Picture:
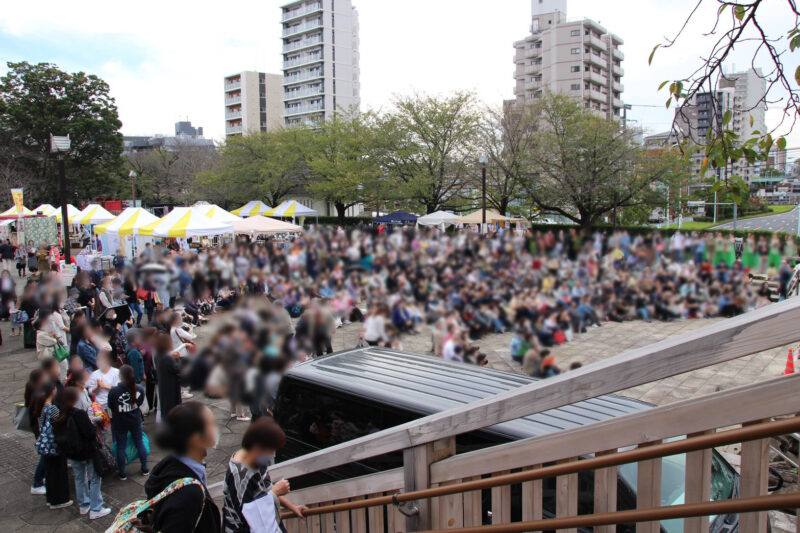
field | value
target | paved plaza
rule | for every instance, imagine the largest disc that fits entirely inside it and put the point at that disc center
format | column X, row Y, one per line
column 22, row 511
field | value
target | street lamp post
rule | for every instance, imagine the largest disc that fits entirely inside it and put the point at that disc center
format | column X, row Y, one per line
column 132, row 175
column 483, row 161
column 60, row 146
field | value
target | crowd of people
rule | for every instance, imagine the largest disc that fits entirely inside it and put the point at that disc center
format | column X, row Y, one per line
column 120, row 342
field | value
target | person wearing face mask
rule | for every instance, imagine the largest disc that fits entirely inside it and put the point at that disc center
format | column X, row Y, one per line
column 188, row 431
column 247, row 479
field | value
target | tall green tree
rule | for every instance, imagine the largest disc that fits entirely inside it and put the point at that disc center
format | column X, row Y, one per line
column 37, row 100
column 586, row 167
column 267, row 166
column 342, row 159
column 507, row 138
column 429, row 144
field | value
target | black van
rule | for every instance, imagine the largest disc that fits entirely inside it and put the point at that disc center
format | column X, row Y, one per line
column 350, row 394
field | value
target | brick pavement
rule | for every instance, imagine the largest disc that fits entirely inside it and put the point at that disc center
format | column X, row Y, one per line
column 20, row 511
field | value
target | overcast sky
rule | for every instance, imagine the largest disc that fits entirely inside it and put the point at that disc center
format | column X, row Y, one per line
column 165, row 60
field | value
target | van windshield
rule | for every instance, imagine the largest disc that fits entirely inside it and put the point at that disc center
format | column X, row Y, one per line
column 673, row 475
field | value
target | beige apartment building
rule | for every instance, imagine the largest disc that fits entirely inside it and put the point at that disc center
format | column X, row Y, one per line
column 579, row 58
column 253, row 102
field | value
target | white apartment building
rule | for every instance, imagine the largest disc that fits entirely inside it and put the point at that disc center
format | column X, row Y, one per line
column 253, row 102
column 320, row 60
column 573, row 57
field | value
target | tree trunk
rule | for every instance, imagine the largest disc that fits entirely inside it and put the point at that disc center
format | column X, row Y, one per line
column 340, row 211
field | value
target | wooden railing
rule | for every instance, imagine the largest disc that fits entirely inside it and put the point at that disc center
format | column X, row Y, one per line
column 429, row 451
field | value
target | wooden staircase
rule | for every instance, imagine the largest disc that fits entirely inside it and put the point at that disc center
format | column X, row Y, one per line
column 437, row 489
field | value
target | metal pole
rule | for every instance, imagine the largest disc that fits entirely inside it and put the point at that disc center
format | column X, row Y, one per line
column 133, row 190
column 680, row 205
column 667, row 224
column 734, row 215
column 62, row 184
column 716, row 177
column 483, row 186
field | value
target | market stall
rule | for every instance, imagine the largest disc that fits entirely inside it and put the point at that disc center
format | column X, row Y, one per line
column 398, row 217
column 216, row 213
column 439, row 219
column 185, row 223
column 291, row 209
column 259, row 225
column 15, row 212
column 45, row 209
column 120, row 233
column 72, row 212
column 252, row 208
column 492, row 217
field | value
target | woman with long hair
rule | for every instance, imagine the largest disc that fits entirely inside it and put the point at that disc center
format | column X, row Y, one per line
column 74, row 427
column 55, row 463
column 168, row 370
column 124, row 400
column 36, row 379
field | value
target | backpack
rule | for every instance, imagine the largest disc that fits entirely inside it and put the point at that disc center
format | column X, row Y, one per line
column 69, row 440
column 128, row 519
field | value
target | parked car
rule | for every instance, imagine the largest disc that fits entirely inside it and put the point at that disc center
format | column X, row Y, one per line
column 346, row 395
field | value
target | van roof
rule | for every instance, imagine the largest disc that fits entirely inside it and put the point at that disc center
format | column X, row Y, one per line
column 428, row 385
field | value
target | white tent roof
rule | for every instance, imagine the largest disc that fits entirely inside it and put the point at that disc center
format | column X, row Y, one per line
column 92, row 214
column 251, row 208
column 185, row 222
column 291, row 208
column 72, row 211
column 45, row 209
column 14, row 211
column 259, row 225
column 131, row 219
column 439, row 219
column 216, row 213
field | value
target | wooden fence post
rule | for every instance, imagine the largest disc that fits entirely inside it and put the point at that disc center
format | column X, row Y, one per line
column 416, row 472
column 755, row 471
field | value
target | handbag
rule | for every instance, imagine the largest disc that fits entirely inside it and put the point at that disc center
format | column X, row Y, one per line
column 142, row 294
column 103, row 460
column 21, row 418
column 60, row 352
column 131, row 453
column 138, row 515
column 19, row 318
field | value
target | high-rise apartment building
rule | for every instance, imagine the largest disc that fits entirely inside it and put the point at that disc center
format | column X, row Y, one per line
column 253, row 102
column 741, row 93
column 320, row 60
column 578, row 58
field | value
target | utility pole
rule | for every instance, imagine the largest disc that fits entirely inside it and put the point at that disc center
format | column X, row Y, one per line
column 483, row 161
column 60, row 145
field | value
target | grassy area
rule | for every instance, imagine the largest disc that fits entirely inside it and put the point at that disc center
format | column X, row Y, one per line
column 696, row 226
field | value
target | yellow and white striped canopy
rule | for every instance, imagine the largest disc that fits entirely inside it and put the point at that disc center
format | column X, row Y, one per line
column 185, row 222
column 131, row 219
column 216, row 213
column 92, row 214
column 291, row 208
column 72, row 212
column 252, row 208
column 45, row 209
column 14, row 211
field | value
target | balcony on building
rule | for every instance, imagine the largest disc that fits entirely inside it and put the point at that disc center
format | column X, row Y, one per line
column 595, row 42
column 304, row 59
column 301, row 11
column 595, row 60
column 233, row 130
column 305, row 26
column 233, row 84
column 303, row 93
column 532, row 69
column 617, row 86
column 233, row 99
column 302, row 76
column 617, row 53
column 596, row 77
column 596, row 95
column 312, row 40
column 233, row 114
column 617, row 70
column 302, row 109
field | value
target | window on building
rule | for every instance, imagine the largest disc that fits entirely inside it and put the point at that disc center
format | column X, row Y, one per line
column 575, row 51
column 575, row 33
column 575, row 68
column 575, row 86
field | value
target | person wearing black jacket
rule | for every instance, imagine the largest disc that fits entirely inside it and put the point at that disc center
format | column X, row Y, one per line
column 188, row 431
column 77, row 439
column 124, row 400
column 168, row 370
